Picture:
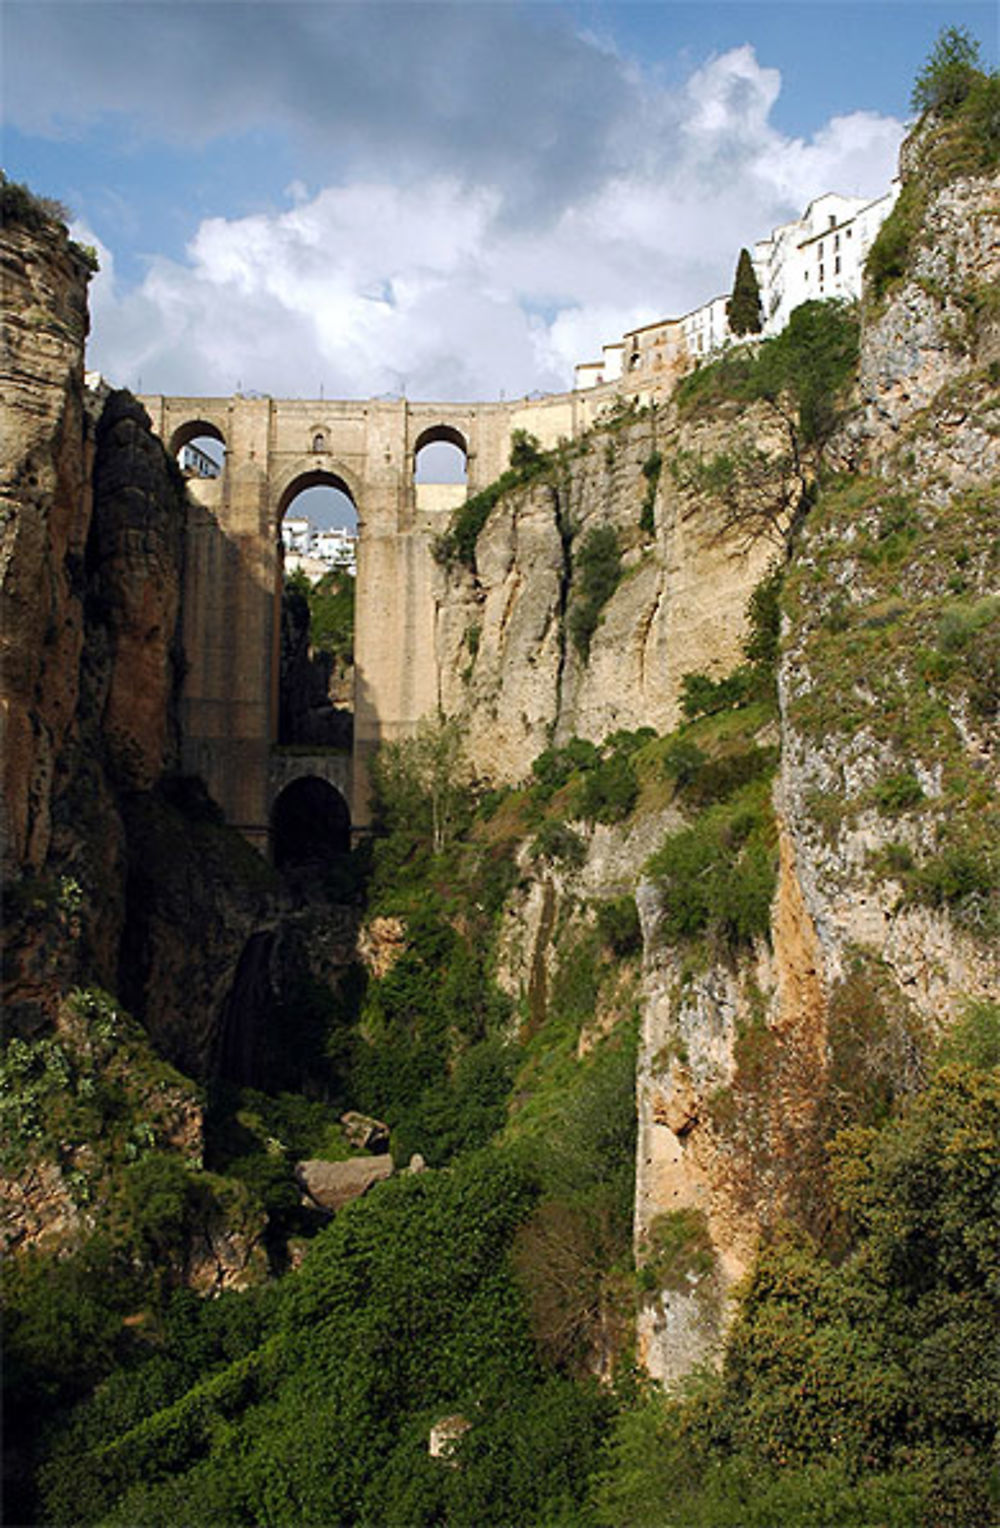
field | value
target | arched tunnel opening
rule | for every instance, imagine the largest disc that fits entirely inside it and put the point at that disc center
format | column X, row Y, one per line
column 319, row 557
column 310, row 824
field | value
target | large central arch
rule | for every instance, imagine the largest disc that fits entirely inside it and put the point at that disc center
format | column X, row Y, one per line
column 314, row 477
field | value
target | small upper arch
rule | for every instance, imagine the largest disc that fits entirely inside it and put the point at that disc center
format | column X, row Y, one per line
column 195, row 429
column 440, row 455
column 319, row 439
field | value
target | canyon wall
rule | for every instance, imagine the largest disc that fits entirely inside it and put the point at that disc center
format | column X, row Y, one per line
column 884, row 921
column 103, row 867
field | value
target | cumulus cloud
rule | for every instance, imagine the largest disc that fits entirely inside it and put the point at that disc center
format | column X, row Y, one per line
column 489, row 251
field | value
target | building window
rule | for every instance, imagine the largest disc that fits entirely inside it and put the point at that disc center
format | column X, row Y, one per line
column 848, row 233
column 821, row 277
column 832, row 220
column 819, row 250
column 836, row 266
column 836, row 241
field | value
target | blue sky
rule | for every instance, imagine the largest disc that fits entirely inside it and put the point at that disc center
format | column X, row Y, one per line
column 451, row 200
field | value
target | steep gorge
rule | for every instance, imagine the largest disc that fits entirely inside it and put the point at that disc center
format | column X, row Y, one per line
column 813, row 867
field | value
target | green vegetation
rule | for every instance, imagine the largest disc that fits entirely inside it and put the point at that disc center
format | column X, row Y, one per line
column 858, row 1383
column 802, row 375
column 950, row 73
column 743, row 308
column 912, row 666
column 596, row 573
column 844, row 1396
column 717, row 877
column 528, row 462
column 960, row 135
column 651, row 469
column 22, row 207
column 331, row 612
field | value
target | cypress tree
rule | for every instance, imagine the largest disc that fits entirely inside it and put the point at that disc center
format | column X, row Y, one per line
column 743, row 307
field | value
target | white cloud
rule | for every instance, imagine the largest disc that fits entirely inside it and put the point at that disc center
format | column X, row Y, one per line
column 429, row 282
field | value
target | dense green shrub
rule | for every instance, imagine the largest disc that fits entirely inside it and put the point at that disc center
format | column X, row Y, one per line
column 651, row 469
column 553, row 768
column 809, row 362
column 596, row 572
column 855, row 1390
column 703, row 696
column 610, row 790
column 718, row 875
column 898, row 792
column 618, row 925
column 949, row 74
column 682, row 759
column 964, row 878
column 19, row 205
column 558, row 842
column 404, row 1312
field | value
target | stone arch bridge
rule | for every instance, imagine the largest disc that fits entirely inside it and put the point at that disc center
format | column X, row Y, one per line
column 274, row 448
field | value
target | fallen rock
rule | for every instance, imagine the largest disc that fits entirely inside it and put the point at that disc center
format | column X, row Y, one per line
column 445, row 1437
column 331, row 1185
column 364, row 1132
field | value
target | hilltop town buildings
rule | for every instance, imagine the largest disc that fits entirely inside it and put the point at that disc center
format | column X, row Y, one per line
column 821, row 254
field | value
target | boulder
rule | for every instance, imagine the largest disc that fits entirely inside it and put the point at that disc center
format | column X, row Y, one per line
column 331, row 1185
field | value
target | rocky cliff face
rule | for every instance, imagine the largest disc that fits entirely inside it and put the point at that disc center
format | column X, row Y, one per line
column 509, row 662
column 884, row 921
column 45, row 495
column 108, row 857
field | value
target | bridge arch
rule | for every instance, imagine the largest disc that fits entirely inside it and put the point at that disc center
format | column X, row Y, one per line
column 455, row 466
column 195, row 429
column 310, row 821
column 307, row 475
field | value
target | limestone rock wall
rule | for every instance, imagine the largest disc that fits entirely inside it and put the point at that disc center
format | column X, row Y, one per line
column 45, row 502
column 116, row 872
column 890, row 767
column 507, row 661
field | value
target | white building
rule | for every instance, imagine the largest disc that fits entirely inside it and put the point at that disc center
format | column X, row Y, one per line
column 707, row 328
column 337, row 547
column 296, row 532
column 198, row 463
column 821, row 254
column 317, row 550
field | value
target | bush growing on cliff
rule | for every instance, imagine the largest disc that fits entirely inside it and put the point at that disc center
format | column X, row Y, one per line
column 20, row 205
column 717, row 877
column 596, row 572
column 855, row 1390
column 949, row 74
column 527, row 462
column 961, row 136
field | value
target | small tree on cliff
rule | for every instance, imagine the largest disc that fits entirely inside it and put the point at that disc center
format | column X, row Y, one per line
column 743, row 307
column 949, row 73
